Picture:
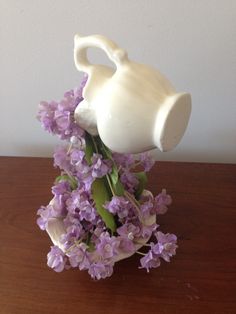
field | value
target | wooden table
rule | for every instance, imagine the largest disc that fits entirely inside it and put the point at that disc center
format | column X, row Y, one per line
column 200, row 279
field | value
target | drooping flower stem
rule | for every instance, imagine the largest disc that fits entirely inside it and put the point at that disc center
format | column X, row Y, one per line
column 135, row 204
column 110, row 186
column 69, row 148
column 94, row 144
column 133, row 198
column 140, row 253
column 145, row 244
column 76, row 243
column 107, row 176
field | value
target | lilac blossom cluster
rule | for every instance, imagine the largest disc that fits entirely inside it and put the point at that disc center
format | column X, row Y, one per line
column 58, row 117
column 100, row 198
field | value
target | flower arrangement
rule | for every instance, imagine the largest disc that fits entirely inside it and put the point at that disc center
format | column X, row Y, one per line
column 99, row 200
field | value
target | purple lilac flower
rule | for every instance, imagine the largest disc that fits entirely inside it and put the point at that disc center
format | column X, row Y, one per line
column 46, row 115
column 58, row 204
column 74, row 230
column 119, row 205
column 83, row 170
column 72, row 221
column 79, row 203
column 77, row 197
column 147, row 230
column 136, row 229
column 150, row 260
column 78, row 256
column 73, row 233
column 129, row 180
column 62, row 119
column 78, row 142
column 162, row 200
column 78, row 91
column 126, row 161
column 99, row 229
column 166, row 245
column 99, row 270
column 75, row 95
column 70, row 94
column 84, row 174
column 87, row 212
column 77, row 157
column 100, row 167
column 129, row 230
column 126, row 245
column 164, row 248
column 56, row 208
column 97, row 232
column 61, row 188
column 147, row 206
column 45, row 213
column 146, row 160
column 58, row 118
column 107, row 246
column 89, row 226
column 61, row 193
column 74, row 163
column 62, row 159
column 56, row 259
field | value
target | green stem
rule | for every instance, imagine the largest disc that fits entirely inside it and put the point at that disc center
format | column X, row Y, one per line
column 110, row 185
column 88, row 239
column 140, row 253
column 135, row 204
column 73, row 180
column 143, row 244
column 69, row 148
column 107, row 176
column 105, row 149
column 136, row 164
column 76, row 243
column 94, row 144
column 133, row 198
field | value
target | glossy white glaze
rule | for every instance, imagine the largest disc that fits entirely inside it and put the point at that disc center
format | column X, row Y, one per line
column 133, row 108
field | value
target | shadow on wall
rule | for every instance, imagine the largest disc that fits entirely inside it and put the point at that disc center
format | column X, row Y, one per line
column 181, row 156
column 222, row 153
column 222, row 148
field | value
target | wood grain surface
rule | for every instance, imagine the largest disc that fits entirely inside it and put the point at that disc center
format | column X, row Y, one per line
column 200, row 279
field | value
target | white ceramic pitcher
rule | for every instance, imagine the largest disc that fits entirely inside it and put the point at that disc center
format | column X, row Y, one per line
column 133, row 108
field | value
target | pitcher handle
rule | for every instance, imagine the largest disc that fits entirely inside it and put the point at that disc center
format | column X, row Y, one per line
column 81, row 44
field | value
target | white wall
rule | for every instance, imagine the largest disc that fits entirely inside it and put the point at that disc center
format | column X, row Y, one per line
column 192, row 42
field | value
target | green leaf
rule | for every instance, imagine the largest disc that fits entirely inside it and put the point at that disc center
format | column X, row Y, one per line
column 89, row 148
column 61, row 178
column 100, row 196
column 118, row 188
column 106, row 151
column 91, row 247
column 142, row 178
column 114, row 175
column 72, row 181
